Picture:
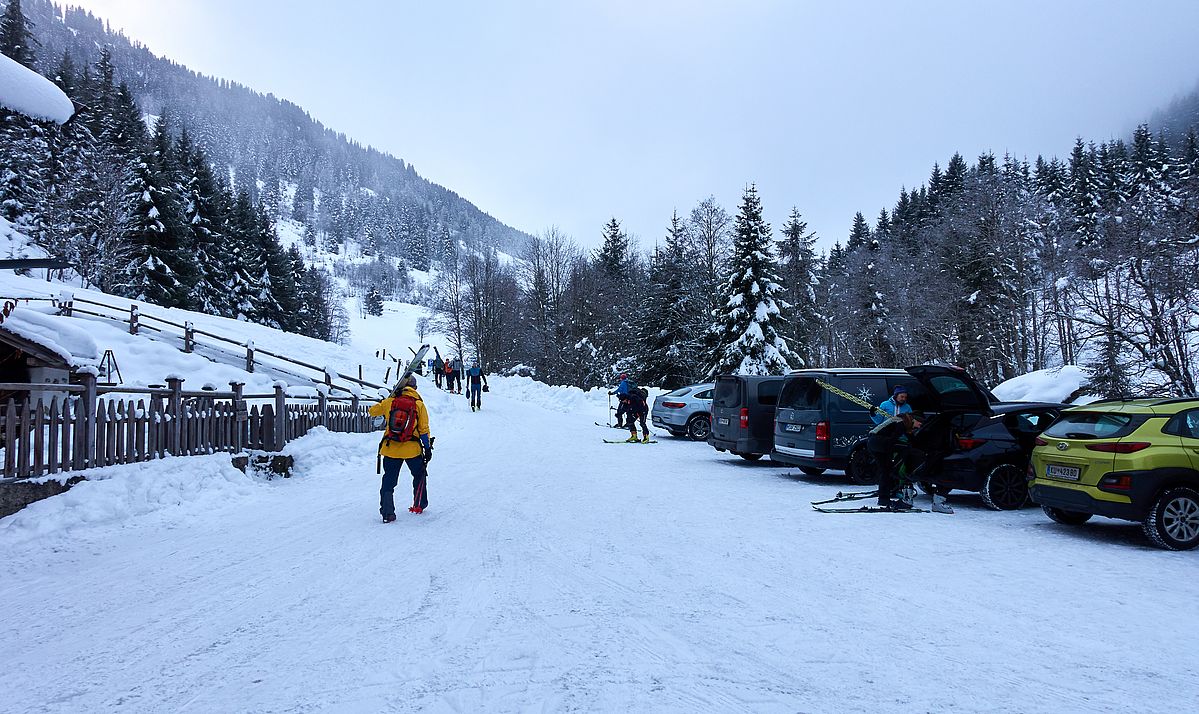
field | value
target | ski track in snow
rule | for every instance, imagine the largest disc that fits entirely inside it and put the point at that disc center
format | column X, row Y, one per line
column 557, row 573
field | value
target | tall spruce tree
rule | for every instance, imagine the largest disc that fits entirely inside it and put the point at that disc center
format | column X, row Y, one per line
column 671, row 349
column 798, row 271
column 749, row 339
column 16, row 35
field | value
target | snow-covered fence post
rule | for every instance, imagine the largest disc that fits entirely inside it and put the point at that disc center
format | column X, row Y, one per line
column 280, row 425
column 189, row 336
column 66, row 302
column 175, row 409
column 322, row 401
column 133, row 315
column 87, row 375
column 250, row 356
column 241, row 415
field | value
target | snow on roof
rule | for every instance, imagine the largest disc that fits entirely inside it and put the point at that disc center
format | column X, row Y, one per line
column 25, row 91
column 58, row 335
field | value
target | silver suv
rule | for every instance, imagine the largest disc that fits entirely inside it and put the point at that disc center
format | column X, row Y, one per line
column 686, row 412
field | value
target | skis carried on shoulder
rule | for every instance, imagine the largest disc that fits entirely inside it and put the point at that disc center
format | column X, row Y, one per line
column 847, row 496
column 870, row 509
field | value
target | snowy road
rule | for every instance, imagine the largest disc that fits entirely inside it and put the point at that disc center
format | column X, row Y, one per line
column 557, row 573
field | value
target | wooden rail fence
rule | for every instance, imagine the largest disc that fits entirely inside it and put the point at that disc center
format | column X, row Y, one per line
column 89, row 428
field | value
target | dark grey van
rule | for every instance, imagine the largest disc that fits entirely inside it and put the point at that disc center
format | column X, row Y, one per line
column 743, row 415
column 817, row 430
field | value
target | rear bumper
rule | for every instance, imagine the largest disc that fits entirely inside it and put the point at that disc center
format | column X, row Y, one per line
column 669, row 418
column 1080, row 499
column 805, row 457
column 740, row 446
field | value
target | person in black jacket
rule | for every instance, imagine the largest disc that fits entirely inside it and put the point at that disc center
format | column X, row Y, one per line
column 636, row 409
column 883, row 442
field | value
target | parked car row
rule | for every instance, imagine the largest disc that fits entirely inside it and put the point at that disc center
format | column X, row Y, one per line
column 1134, row 460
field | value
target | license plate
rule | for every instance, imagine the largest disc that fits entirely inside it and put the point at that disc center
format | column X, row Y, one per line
column 793, row 427
column 1062, row 473
column 723, row 421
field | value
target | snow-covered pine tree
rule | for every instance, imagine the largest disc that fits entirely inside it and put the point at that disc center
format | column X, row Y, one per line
column 16, row 35
column 797, row 269
column 749, row 328
column 204, row 211
column 671, row 352
column 374, row 302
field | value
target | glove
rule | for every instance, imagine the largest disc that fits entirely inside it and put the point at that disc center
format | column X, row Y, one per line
column 873, row 411
column 427, row 452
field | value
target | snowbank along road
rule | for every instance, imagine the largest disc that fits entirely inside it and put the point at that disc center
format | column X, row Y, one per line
column 553, row 572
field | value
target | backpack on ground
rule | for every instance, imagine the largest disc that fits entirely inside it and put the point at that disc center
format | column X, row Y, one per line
column 401, row 419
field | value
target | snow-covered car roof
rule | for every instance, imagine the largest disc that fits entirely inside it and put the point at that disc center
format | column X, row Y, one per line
column 25, row 91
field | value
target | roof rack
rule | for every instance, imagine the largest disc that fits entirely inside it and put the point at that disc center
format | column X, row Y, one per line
column 1175, row 400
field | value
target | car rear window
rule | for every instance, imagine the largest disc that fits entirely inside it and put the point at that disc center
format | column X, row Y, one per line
column 768, row 392
column 679, row 392
column 728, row 393
column 706, row 394
column 800, row 393
column 1092, row 425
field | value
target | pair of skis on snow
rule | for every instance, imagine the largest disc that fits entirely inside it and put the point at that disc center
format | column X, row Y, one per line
column 623, row 441
column 846, row 496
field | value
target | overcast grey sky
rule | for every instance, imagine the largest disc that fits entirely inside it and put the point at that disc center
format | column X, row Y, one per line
column 557, row 112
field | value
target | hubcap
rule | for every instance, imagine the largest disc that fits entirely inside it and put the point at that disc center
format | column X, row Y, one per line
column 1180, row 518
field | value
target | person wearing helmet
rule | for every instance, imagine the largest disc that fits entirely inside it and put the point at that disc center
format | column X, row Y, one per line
column 405, row 440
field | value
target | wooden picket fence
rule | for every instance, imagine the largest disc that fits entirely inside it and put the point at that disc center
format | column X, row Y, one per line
column 89, row 431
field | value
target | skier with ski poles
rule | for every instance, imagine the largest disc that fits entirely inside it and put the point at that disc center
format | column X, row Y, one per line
column 405, row 440
column 476, row 383
column 621, row 393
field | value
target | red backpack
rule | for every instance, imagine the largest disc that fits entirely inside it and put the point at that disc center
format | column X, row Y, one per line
column 401, row 419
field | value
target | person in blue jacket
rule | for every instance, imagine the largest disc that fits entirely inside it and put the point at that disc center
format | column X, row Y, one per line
column 896, row 405
column 475, row 382
column 622, row 396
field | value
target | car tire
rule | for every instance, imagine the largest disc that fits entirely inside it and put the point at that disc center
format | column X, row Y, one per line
column 860, row 468
column 811, row 470
column 1173, row 521
column 699, row 427
column 1005, row 488
column 1066, row 518
column 750, row 457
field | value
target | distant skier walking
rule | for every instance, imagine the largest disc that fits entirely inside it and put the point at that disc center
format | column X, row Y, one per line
column 438, row 368
column 476, row 382
column 405, row 440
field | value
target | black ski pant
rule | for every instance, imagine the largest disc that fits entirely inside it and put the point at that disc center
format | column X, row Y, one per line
column 884, row 464
column 633, row 416
column 621, row 410
column 391, row 477
column 437, row 373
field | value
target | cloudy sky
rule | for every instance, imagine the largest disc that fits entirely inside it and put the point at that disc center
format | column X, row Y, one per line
column 568, row 113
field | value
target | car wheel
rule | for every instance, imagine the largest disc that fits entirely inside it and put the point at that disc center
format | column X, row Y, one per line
column 811, row 470
column 1066, row 518
column 860, row 468
column 699, row 427
column 1173, row 522
column 750, row 457
column 1005, row 489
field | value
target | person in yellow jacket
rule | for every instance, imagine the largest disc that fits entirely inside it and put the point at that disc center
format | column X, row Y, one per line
column 416, row 451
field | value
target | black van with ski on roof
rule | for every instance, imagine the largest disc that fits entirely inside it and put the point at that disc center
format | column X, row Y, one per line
column 743, row 414
column 816, row 429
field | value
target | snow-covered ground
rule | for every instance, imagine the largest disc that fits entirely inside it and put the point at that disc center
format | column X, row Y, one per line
column 553, row 572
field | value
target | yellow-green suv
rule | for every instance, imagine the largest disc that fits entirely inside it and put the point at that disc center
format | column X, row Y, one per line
column 1137, row 460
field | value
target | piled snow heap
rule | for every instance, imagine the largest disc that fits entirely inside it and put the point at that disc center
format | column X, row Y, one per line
column 25, row 91
column 1044, row 385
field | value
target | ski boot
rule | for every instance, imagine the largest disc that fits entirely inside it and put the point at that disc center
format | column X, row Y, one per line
column 645, row 438
column 389, row 519
column 632, row 439
column 940, row 506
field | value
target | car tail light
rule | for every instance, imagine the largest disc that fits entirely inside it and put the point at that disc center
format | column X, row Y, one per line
column 1116, row 482
column 673, row 405
column 1121, row 447
column 744, row 418
column 822, row 431
column 1040, row 442
column 966, row 443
